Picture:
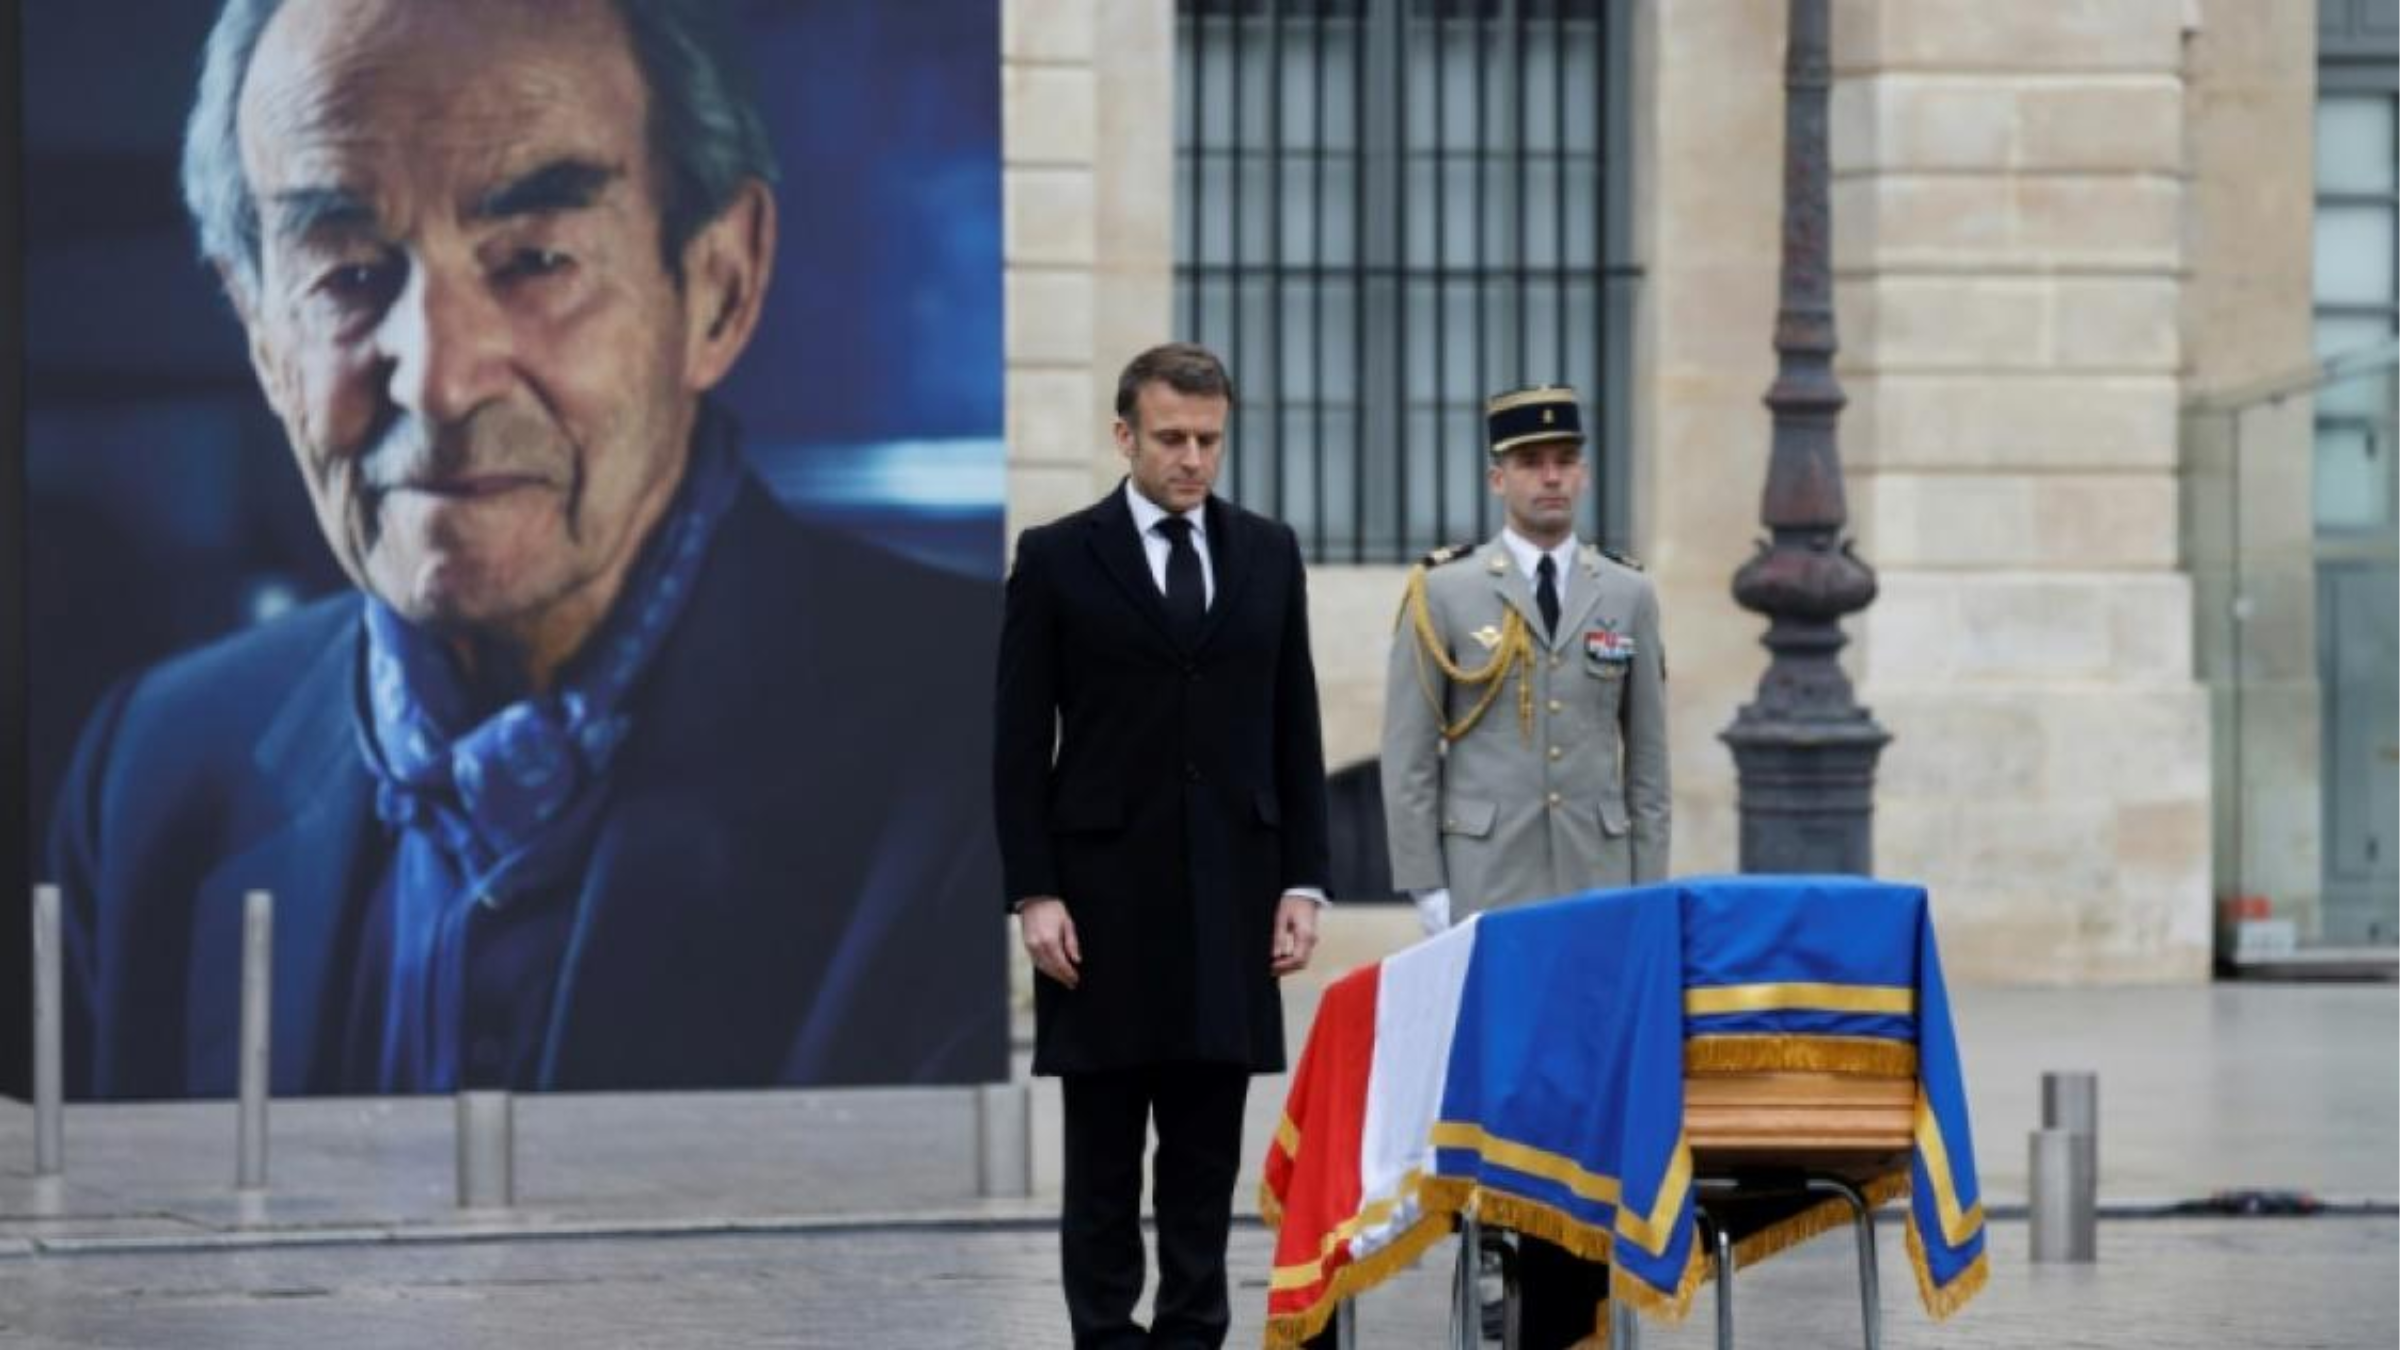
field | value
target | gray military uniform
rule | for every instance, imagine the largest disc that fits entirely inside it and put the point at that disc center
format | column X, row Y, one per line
column 1554, row 789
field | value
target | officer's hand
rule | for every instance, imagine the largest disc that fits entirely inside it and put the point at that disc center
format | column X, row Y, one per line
column 1295, row 933
column 1433, row 910
column 1050, row 938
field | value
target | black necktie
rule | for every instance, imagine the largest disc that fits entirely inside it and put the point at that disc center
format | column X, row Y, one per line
column 1546, row 595
column 1187, row 596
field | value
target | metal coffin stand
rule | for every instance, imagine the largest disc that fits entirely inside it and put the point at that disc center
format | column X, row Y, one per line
column 1753, row 1136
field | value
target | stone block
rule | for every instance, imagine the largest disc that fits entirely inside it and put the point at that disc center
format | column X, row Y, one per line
column 2030, row 628
column 1047, row 115
column 1350, row 634
column 1047, row 30
column 1708, row 475
column 1049, row 417
column 2150, row 626
column 1903, row 420
column 1948, row 520
column 2132, row 743
column 1048, row 217
column 2102, row 221
column 2131, row 126
column 2158, row 843
column 1899, row 221
column 1947, row 323
column 2097, row 36
column 1041, row 493
column 1910, row 634
column 2102, row 520
column 1944, row 122
column 1049, row 320
column 2116, row 323
column 1958, row 746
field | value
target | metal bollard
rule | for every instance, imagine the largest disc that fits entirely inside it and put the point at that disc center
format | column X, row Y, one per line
column 1003, row 1140
column 49, row 1031
column 487, row 1143
column 2071, row 1102
column 2064, row 1221
column 258, row 981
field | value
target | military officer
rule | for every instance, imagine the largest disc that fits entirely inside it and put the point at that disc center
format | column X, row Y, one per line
column 1525, row 733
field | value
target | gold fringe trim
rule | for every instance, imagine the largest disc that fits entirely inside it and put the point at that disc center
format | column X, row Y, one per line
column 1864, row 1056
column 1444, row 1198
column 1270, row 1208
column 1285, row 1331
column 1660, row 1305
column 1592, row 1243
column 1817, row 1219
column 1940, row 1300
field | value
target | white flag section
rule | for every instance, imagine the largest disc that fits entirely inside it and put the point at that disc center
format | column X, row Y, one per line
column 1416, row 1011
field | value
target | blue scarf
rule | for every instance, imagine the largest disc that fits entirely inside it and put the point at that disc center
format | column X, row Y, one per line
column 486, row 790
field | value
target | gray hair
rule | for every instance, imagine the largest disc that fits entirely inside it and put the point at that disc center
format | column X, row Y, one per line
column 707, row 135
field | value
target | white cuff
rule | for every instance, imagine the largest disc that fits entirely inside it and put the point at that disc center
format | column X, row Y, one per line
column 1433, row 909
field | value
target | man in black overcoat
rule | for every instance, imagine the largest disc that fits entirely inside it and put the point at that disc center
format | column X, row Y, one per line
column 1159, row 784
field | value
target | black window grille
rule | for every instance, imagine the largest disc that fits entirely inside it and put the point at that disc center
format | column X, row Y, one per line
column 1387, row 210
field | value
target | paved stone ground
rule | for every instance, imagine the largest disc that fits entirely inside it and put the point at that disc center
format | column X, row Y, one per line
column 851, row 1218
column 2322, row 1282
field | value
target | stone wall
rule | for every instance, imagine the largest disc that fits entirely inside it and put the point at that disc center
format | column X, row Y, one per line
column 1088, row 244
column 2010, row 206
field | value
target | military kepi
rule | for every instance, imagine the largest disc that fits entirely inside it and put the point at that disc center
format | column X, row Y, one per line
column 1546, row 412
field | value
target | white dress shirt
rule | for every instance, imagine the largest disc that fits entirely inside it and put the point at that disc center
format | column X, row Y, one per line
column 1529, row 561
column 1156, row 546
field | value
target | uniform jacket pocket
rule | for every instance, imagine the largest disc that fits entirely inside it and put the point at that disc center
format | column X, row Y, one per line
column 1469, row 817
column 1612, row 816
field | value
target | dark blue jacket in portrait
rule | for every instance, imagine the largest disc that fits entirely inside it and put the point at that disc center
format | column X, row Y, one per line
column 788, row 880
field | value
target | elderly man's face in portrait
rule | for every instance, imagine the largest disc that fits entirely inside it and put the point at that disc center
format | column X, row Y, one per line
column 462, row 314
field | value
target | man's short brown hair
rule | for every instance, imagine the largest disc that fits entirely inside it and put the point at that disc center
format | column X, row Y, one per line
column 1185, row 367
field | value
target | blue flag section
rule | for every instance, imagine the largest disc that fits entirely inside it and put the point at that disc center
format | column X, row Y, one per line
column 1564, row 1101
column 1843, row 974
column 1562, row 1113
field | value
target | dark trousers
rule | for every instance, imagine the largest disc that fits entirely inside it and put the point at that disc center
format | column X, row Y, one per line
column 1558, row 1295
column 1197, row 1109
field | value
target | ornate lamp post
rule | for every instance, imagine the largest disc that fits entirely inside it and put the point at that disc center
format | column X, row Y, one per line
column 1804, row 749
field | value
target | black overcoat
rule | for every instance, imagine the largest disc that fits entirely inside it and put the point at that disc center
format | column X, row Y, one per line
column 1170, row 796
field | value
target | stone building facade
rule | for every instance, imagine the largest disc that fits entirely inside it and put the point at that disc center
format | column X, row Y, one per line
column 2058, row 230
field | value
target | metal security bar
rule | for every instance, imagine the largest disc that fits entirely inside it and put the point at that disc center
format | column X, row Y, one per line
column 1388, row 209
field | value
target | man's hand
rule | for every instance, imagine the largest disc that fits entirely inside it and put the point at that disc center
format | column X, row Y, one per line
column 1050, row 938
column 1295, row 933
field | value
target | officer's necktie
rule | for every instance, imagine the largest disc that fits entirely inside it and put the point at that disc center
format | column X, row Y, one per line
column 1546, row 595
column 1187, row 596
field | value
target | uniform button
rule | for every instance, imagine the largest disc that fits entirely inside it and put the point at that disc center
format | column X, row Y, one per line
column 1555, row 752
column 1557, row 661
column 1554, row 801
column 1191, row 773
column 1450, row 824
column 1556, row 706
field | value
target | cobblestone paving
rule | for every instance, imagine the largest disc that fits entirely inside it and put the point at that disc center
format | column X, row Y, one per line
column 2323, row 1282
